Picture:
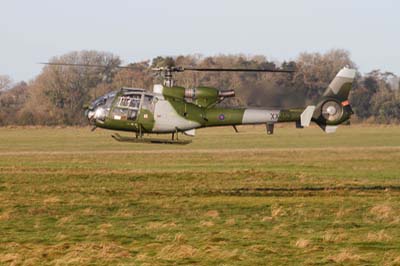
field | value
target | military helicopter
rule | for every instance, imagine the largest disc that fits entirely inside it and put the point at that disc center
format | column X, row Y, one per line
column 172, row 109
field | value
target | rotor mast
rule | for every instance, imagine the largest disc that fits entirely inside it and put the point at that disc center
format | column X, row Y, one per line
column 167, row 74
column 168, row 78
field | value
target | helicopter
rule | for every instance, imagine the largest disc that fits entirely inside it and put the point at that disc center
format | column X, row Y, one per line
column 172, row 109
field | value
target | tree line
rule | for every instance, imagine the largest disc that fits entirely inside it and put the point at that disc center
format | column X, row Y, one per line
column 58, row 94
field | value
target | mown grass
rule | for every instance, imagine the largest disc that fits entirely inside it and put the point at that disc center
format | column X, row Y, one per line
column 299, row 197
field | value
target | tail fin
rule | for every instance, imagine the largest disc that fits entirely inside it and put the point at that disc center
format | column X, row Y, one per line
column 334, row 108
column 340, row 86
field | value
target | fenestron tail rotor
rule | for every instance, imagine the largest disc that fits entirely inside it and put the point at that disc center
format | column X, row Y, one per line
column 332, row 111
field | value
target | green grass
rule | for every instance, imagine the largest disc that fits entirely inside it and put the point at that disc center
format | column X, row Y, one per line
column 69, row 196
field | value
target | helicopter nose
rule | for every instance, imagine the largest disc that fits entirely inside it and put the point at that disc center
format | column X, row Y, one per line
column 90, row 115
column 97, row 114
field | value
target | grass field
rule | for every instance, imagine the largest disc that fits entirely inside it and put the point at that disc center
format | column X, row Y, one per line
column 300, row 197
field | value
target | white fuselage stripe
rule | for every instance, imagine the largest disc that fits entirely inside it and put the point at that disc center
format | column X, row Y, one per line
column 256, row 116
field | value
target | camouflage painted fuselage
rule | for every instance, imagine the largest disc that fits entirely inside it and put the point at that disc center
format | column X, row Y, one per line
column 168, row 115
column 178, row 109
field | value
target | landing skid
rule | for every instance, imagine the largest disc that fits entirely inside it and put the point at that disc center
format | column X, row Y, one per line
column 120, row 138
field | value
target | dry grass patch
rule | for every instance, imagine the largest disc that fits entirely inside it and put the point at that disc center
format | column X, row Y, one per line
column 158, row 225
column 5, row 216
column 267, row 219
column 282, row 229
column 345, row 256
column 177, row 251
column 11, row 258
column 164, row 237
column 334, row 236
column 61, row 237
column 394, row 262
column 65, row 220
column 51, row 200
column 344, row 212
column 231, row 221
column 103, row 228
column 216, row 252
column 180, row 238
column 257, row 248
column 302, row 243
column 65, row 254
column 106, row 251
column 383, row 212
column 380, row 236
column 212, row 214
column 124, row 213
column 142, row 256
column 277, row 211
column 206, row 223
column 88, row 211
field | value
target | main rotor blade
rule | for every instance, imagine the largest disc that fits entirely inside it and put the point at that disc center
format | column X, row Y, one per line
column 238, row 70
column 180, row 69
column 83, row 65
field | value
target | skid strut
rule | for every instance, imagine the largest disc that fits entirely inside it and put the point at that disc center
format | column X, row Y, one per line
column 120, row 138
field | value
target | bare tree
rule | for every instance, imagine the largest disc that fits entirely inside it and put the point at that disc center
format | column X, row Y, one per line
column 5, row 82
column 62, row 91
column 315, row 70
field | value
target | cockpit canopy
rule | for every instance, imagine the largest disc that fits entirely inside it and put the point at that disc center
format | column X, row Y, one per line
column 125, row 107
column 103, row 100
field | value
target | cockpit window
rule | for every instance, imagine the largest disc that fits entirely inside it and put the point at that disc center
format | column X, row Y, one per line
column 148, row 103
column 131, row 101
column 127, row 107
column 104, row 100
column 101, row 106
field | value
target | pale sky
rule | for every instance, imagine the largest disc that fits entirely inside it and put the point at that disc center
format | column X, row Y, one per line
column 33, row 31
